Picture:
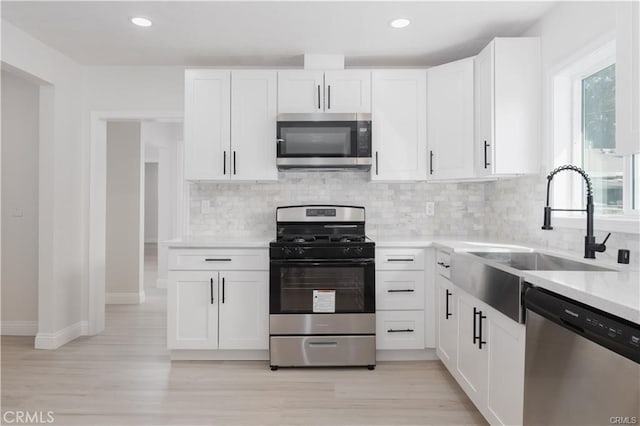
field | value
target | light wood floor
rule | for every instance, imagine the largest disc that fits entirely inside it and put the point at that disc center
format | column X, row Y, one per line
column 124, row 377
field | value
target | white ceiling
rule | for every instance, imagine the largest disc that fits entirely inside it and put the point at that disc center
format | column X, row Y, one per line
column 270, row 33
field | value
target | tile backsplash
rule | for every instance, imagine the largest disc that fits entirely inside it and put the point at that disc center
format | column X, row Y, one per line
column 392, row 209
column 514, row 212
column 507, row 210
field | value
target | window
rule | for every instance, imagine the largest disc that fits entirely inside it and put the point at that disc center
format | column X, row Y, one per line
column 584, row 132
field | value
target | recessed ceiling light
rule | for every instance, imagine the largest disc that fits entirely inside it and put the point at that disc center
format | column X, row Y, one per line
column 400, row 23
column 141, row 21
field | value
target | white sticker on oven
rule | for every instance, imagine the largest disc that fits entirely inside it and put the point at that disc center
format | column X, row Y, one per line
column 324, row 300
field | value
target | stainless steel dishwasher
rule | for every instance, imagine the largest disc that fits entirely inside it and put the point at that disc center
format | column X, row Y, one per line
column 582, row 366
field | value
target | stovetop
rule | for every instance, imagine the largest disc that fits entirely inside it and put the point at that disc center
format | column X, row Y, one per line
column 322, row 248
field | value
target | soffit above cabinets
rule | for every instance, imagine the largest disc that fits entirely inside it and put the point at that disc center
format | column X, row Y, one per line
column 270, row 34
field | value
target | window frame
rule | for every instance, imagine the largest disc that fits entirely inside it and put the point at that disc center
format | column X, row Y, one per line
column 568, row 191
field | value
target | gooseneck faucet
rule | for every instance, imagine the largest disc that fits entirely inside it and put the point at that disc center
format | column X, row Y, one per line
column 590, row 245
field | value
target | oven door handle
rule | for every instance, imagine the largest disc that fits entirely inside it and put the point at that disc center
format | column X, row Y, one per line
column 324, row 262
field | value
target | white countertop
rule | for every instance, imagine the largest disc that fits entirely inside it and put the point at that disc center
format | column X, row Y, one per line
column 219, row 242
column 616, row 292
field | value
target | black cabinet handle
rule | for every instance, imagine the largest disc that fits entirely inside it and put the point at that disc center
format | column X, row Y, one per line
column 211, row 290
column 376, row 163
column 224, row 162
column 475, row 325
column 328, row 97
column 400, row 260
column 444, row 265
column 430, row 162
column 217, row 260
column 480, row 341
column 318, row 96
column 406, row 330
column 222, row 289
column 408, row 290
column 234, row 162
column 447, row 314
column 486, row 163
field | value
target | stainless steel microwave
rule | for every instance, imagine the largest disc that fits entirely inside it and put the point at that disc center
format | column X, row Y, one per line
column 324, row 141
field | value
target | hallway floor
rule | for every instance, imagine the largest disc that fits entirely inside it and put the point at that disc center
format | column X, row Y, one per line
column 123, row 376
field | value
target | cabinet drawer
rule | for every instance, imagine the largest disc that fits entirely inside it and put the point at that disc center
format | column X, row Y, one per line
column 400, row 259
column 399, row 290
column 400, row 330
column 219, row 259
column 443, row 263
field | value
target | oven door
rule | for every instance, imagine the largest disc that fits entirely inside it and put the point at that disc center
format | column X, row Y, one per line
column 322, row 286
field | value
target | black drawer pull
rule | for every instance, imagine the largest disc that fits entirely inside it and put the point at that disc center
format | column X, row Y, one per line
column 444, row 265
column 399, row 260
column 409, row 290
column 217, row 260
column 406, row 330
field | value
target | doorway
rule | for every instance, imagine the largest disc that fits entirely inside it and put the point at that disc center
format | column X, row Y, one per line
column 107, row 202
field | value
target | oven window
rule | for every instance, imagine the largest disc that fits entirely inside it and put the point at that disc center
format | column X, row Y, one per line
column 297, row 284
column 316, row 141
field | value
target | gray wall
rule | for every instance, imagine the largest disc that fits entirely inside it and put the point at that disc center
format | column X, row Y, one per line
column 20, row 123
column 124, row 251
column 151, row 202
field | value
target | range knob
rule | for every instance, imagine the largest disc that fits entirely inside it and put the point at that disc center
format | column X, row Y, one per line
column 299, row 251
column 286, row 251
column 357, row 250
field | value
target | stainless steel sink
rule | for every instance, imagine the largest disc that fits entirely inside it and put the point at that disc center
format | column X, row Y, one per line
column 534, row 261
column 496, row 278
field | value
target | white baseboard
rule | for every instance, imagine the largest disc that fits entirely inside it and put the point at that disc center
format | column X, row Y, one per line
column 19, row 328
column 125, row 298
column 161, row 283
column 61, row 337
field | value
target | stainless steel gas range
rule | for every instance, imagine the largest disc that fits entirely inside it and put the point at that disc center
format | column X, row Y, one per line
column 322, row 288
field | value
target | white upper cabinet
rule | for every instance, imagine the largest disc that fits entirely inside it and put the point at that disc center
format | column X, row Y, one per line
column 399, row 125
column 507, row 107
column 253, row 125
column 627, row 78
column 300, row 91
column 207, row 124
column 347, row 91
column 340, row 91
column 450, row 123
column 230, row 125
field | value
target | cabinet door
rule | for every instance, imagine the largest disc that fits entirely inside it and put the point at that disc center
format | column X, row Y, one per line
column 347, row 91
column 505, row 397
column 483, row 86
column 192, row 310
column 399, row 116
column 244, row 310
column 399, row 290
column 447, row 321
column 472, row 361
column 207, row 124
column 450, row 120
column 300, row 91
column 253, row 125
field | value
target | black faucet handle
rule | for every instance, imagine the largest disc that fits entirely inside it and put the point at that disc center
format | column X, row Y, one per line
column 601, row 247
column 606, row 238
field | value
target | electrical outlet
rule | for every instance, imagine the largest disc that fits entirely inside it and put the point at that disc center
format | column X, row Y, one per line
column 430, row 208
column 205, row 206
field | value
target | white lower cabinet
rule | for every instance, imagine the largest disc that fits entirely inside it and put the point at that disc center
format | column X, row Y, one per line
column 244, row 310
column 217, row 308
column 447, row 322
column 483, row 350
column 400, row 329
column 472, row 359
column 192, row 310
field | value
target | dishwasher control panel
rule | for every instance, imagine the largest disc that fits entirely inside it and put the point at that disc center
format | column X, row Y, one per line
column 605, row 329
